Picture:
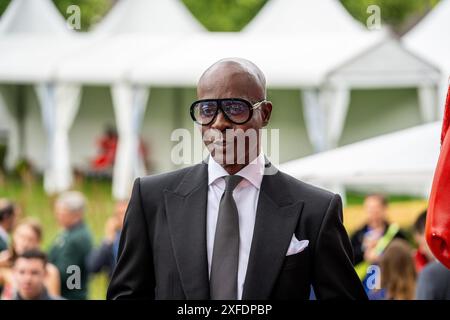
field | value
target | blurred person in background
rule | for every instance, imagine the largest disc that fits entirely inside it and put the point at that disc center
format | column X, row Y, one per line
column 7, row 220
column 433, row 282
column 30, row 272
column 27, row 235
column 107, row 146
column 398, row 273
column 423, row 253
column 434, row 278
column 72, row 245
column 105, row 256
column 370, row 241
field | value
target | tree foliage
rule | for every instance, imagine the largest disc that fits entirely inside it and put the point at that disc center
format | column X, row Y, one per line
column 399, row 14
column 91, row 10
column 224, row 15
column 233, row 15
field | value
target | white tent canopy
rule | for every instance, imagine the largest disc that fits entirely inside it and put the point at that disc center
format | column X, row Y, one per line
column 107, row 59
column 402, row 162
column 388, row 64
column 32, row 17
column 288, row 61
column 428, row 37
column 379, row 62
column 33, row 39
column 429, row 40
column 34, row 59
column 149, row 17
column 291, row 40
column 295, row 16
column 133, row 30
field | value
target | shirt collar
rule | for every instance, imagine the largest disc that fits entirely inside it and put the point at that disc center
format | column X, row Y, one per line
column 253, row 172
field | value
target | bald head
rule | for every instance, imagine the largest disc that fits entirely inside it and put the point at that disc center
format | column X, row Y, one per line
column 232, row 78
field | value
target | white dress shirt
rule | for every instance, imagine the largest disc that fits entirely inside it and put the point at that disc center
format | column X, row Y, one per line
column 246, row 197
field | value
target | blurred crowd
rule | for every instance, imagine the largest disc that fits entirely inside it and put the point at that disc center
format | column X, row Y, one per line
column 27, row 272
column 396, row 264
column 393, row 264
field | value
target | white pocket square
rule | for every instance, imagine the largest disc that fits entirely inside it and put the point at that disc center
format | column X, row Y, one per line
column 296, row 246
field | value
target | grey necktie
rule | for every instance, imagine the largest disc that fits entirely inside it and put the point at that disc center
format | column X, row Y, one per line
column 224, row 265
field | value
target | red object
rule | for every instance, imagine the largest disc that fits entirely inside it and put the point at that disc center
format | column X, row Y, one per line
column 420, row 260
column 437, row 230
column 107, row 153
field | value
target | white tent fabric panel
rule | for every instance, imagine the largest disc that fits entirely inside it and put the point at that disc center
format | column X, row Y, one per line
column 149, row 17
column 134, row 30
column 33, row 39
column 315, row 121
column 386, row 64
column 109, row 59
column 32, row 16
column 429, row 102
column 401, row 162
column 288, row 61
column 59, row 106
column 325, row 111
column 428, row 40
column 281, row 16
column 13, row 134
column 30, row 59
column 129, row 106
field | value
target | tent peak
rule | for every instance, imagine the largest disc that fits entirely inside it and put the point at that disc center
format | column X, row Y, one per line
column 32, row 17
column 294, row 16
column 149, row 17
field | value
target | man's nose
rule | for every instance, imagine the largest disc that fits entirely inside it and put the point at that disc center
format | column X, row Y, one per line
column 221, row 123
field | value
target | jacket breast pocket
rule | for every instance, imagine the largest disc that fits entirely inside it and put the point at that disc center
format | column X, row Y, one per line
column 296, row 260
column 294, row 278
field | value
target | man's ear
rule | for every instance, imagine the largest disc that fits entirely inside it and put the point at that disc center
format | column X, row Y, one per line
column 266, row 111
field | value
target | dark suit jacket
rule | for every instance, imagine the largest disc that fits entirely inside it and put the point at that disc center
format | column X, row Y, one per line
column 162, row 251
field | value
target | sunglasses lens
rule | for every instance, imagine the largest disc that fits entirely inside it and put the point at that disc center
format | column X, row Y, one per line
column 205, row 111
column 237, row 111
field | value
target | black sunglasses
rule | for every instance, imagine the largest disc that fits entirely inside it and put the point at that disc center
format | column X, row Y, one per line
column 235, row 110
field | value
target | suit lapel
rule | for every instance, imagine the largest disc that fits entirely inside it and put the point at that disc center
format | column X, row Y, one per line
column 276, row 219
column 186, row 217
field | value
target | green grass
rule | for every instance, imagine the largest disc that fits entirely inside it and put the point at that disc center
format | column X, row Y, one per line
column 33, row 202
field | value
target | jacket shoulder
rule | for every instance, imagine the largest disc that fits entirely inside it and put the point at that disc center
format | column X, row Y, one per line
column 155, row 184
column 316, row 204
column 307, row 191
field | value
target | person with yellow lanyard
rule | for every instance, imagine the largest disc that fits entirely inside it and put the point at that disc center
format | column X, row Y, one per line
column 370, row 241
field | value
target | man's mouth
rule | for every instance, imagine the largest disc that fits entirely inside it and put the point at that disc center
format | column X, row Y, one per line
column 220, row 142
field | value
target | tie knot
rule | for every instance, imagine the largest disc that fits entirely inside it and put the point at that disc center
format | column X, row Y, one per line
column 231, row 182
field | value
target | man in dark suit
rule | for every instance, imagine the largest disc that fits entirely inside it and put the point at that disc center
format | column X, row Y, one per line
column 233, row 227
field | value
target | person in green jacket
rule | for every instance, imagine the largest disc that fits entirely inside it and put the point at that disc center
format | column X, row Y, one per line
column 72, row 246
